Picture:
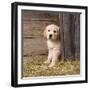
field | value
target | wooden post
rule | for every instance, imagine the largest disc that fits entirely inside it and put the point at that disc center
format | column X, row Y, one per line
column 61, row 35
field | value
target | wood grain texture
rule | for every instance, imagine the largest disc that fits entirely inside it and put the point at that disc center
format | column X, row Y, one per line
column 34, row 23
column 67, row 35
column 71, row 35
column 77, row 36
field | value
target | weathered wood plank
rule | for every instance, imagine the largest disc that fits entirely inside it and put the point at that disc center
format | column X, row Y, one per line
column 36, row 21
column 35, row 47
column 77, row 36
column 68, row 26
column 71, row 25
column 61, row 35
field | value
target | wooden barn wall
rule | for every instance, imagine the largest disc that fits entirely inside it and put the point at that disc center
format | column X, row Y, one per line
column 71, row 35
column 34, row 23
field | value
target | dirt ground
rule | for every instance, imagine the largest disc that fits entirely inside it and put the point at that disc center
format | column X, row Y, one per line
column 34, row 66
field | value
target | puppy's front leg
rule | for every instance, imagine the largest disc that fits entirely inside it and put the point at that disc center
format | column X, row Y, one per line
column 49, row 57
column 55, row 57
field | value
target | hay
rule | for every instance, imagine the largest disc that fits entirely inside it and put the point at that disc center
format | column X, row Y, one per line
column 34, row 66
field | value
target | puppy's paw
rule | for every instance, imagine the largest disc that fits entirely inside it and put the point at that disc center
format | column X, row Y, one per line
column 47, row 62
column 51, row 65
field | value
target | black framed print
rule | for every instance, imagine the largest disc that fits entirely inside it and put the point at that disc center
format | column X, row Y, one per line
column 49, row 44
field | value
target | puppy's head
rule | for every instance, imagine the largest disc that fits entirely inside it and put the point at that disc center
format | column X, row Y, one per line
column 52, row 32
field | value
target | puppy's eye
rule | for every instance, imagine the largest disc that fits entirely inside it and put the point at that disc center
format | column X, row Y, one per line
column 48, row 30
column 54, row 31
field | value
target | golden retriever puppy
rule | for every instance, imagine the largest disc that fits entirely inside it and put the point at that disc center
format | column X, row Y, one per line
column 52, row 34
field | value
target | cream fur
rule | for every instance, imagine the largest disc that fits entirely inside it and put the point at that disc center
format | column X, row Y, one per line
column 52, row 34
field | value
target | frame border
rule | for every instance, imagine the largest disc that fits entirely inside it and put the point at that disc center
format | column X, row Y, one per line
column 14, row 43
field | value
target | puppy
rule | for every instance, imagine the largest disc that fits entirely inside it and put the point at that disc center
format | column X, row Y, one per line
column 52, row 34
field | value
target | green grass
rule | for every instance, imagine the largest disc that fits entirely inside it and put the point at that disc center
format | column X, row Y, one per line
column 34, row 66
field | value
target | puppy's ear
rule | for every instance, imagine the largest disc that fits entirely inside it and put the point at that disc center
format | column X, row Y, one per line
column 45, row 35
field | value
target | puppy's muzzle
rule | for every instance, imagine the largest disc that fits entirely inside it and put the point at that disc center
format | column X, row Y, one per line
column 50, row 36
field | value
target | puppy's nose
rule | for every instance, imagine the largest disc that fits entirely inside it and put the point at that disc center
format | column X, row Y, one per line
column 50, row 35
